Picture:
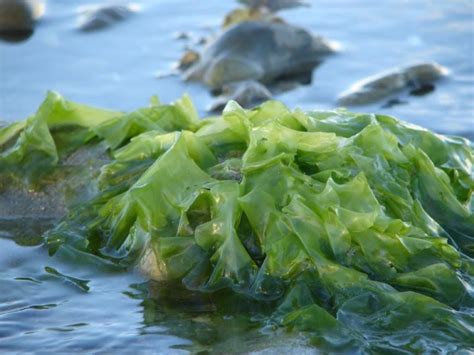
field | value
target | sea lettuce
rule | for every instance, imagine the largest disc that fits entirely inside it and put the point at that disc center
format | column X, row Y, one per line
column 344, row 223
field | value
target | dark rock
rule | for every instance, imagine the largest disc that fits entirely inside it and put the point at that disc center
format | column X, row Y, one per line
column 423, row 89
column 273, row 5
column 259, row 50
column 17, row 18
column 385, row 84
column 189, row 58
column 96, row 17
column 246, row 93
column 394, row 102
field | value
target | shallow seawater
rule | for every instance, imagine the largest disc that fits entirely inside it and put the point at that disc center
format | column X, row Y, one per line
column 118, row 67
column 55, row 304
column 52, row 304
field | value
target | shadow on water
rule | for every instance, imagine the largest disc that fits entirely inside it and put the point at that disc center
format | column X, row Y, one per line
column 221, row 322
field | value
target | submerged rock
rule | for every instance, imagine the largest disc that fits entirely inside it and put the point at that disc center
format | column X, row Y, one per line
column 17, row 18
column 22, row 206
column 417, row 77
column 96, row 17
column 259, row 50
column 247, row 93
column 27, row 211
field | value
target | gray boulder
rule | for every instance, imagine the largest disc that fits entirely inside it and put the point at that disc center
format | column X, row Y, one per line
column 96, row 17
column 383, row 85
column 247, row 93
column 259, row 50
column 31, row 209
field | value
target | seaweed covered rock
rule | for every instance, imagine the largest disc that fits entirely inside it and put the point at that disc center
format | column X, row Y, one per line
column 345, row 226
column 189, row 58
column 262, row 51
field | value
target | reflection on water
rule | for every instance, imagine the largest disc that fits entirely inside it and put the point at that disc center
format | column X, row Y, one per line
column 71, row 307
column 59, row 305
column 44, row 305
column 84, row 305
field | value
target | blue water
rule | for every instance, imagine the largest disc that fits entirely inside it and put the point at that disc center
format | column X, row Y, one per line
column 41, row 307
column 117, row 67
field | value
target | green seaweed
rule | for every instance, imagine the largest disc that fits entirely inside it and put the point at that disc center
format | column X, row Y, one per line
column 350, row 226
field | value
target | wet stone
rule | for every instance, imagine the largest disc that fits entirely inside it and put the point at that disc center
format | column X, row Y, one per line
column 246, row 93
column 273, row 5
column 259, row 50
column 27, row 211
column 419, row 78
column 96, row 17
column 17, row 18
column 423, row 90
column 188, row 59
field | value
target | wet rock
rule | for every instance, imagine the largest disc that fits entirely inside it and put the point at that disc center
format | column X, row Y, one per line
column 240, row 15
column 202, row 41
column 423, row 89
column 151, row 265
column 17, row 18
column 380, row 86
column 19, row 202
column 259, row 50
column 30, row 210
column 189, row 58
column 247, row 93
column 182, row 36
column 96, row 17
column 394, row 102
column 273, row 5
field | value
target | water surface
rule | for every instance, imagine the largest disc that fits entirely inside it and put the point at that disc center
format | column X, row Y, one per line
column 117, row 67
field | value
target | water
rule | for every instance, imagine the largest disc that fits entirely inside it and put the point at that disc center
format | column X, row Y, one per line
column 40, row 310
column 42, row 306
column 51, row 303
column 117, row 67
